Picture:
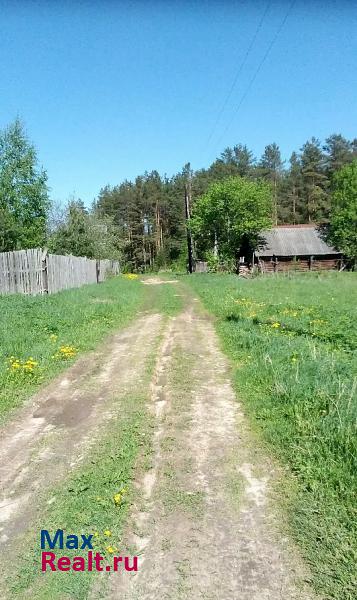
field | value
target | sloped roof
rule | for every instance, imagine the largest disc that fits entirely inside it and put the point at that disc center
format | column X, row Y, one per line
column 294, row 240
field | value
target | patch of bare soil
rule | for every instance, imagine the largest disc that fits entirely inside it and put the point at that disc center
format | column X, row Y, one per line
column 203, row 524
column 157, row 281
column 51, row 434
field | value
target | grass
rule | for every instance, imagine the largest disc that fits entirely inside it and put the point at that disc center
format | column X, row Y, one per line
column 87, row 502
column 54, row 330
column 191, row 502
column 51, row 332
column 42, row 335
column 165, row 298
column 292, row 343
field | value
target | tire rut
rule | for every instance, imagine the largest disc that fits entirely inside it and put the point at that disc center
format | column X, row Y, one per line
column 202, row 525
column 51, row 434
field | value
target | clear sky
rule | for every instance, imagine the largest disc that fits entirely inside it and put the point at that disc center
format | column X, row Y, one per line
column 108, row 89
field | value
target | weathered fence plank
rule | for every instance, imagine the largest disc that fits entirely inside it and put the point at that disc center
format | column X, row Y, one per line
column 34, row 271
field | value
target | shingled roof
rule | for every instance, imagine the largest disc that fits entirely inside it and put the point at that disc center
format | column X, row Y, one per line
column 293, row 240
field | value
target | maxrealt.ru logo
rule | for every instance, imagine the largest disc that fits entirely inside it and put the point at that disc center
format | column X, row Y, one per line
column 93, row 561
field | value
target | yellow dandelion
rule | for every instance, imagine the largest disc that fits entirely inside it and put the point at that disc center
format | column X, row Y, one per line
column 67, row 351
column 107, row 532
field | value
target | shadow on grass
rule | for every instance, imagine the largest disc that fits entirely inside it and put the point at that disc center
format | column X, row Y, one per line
column 335, row 339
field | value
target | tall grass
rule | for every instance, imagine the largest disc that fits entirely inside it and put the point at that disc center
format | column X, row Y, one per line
column 293, row 341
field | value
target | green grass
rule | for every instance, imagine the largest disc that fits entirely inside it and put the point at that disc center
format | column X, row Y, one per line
column 165, row 298
column 292, row 342
column 38, row 326
column 84, row 503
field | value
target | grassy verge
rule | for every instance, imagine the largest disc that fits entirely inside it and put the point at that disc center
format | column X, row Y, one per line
column 95, row 498
column 292, row 343
column 40, row 336
column 165, row 298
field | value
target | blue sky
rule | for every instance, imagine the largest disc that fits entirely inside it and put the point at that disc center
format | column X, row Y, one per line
column 110, row 89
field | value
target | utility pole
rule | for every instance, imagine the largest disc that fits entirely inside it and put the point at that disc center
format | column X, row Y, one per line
column 189, row 236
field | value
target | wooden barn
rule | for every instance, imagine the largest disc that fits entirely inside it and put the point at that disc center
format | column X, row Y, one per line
column 295, row 247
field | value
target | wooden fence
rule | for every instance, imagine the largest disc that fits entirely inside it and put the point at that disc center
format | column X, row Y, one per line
column 35, row 271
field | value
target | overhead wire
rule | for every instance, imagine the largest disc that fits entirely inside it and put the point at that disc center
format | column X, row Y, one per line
column 257, row 71
column 240, row 69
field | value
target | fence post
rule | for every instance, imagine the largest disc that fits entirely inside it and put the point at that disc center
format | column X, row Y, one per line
column 44, row 271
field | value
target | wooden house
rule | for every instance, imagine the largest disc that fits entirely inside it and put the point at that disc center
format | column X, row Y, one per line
column 295, row 247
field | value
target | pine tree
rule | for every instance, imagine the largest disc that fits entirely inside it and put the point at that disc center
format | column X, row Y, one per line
column 221, row 169
column 339, row 153
column 149, row 212
column 270, row 168
column 291, row 201
column 315, row 182
column 149, row 216
column 227, row 156
column 244, row 160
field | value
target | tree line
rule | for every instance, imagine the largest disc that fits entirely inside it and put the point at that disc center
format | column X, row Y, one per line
column 142, row 222
column 150, row 215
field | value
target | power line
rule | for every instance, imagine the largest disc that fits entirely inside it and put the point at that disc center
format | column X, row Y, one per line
column 241, row 66
column 251, row 82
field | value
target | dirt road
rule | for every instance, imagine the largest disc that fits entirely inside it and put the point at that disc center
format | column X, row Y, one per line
column 52, row 433
column 202, row 523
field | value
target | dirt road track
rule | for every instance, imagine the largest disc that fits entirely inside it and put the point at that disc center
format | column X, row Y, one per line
column 203, row 525
column 50, row 435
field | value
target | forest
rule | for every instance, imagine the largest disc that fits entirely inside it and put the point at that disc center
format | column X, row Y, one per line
column 143, row 222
